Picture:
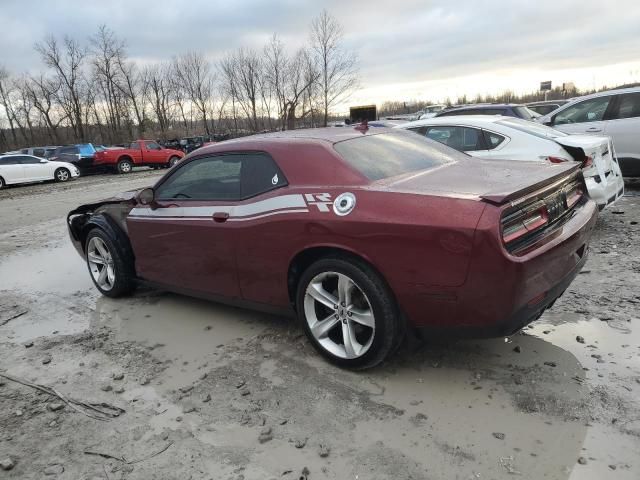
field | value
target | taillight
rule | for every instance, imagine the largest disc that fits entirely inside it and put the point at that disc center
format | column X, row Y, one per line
column 556, row 159
column 587, row 162
column 574, row 195
column 522, row 223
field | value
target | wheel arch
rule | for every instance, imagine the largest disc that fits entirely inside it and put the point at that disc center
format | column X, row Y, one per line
column 109, row 226
column 304, row 258
column 125, row 157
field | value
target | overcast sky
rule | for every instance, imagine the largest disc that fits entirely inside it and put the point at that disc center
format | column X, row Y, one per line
column 407, row 49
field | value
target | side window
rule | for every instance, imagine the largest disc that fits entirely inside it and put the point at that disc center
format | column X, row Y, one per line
column 419, row 130
column 8, row 161
column 29, row 160
column 152, row 146
column 463, row 139
column 587, row 111
column 223, row 177
column 134, row 146
column 38, row 152
column 69, row 150
column 492, row 140
column 628, row 106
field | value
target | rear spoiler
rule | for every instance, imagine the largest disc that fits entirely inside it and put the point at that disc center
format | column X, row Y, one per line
column 528, row 189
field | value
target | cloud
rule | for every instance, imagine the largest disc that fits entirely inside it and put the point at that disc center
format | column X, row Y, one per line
column 398, row 43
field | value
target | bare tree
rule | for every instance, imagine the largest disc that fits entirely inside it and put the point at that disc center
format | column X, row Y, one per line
column 242, row 70
column 338, row 67
column 41, row 91
column 6, row 90
column 159, row 94
column 67, row 65
column 193, row 72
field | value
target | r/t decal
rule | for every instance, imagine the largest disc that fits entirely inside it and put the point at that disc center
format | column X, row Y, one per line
column 320, row 200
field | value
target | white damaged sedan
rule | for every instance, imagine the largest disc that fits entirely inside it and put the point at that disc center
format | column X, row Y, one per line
column 18, row 168
column 508, row 138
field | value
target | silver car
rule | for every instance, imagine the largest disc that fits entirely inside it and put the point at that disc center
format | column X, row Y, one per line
column 614, row 113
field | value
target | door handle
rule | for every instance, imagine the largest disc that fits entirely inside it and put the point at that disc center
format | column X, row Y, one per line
column 220, row 217
column 594, row 129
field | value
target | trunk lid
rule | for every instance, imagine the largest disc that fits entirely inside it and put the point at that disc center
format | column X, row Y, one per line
column 496, row 181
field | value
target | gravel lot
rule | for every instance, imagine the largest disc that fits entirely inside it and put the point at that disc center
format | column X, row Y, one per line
column 213, row 392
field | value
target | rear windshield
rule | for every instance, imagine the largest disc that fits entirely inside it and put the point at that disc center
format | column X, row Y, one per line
column 526, row 113
column 391, row 154
column 537, row 129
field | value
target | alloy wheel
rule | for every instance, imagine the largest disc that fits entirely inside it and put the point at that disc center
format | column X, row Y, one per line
column 339, row 315
column 101, row 263
column 63, row 175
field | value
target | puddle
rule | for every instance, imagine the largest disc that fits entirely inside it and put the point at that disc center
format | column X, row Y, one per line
column 613, row 342
column 57, row 270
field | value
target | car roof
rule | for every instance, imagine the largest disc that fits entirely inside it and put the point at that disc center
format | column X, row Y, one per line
column 456, row 119
column 328, row 134
column 619, row 91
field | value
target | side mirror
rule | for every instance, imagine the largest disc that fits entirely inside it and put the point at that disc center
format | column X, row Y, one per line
column 42, row 160
column 147, row 196
column 548, row 123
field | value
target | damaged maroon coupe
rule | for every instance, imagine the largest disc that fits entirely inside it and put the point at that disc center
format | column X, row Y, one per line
column 362, row 234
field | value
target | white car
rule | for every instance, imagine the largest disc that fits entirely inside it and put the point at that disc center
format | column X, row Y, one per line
column 614, row 113
column 508, row 138
column 27, row 168
column 430, row 111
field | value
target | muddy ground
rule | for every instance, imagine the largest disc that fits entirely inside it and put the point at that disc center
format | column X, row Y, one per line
column 213, row 392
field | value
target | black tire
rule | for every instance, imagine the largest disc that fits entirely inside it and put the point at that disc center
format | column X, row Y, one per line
column 125, row 166
column 388, row 324
column 62, row 175
column 2, row 184
column 125, row 282
column 172, row 161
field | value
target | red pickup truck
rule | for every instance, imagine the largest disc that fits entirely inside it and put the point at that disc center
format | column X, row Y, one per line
column 139, row 153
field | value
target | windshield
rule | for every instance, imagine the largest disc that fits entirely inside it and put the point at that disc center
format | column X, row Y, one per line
column 526, row 113
column 536, row 129
column 391, row 154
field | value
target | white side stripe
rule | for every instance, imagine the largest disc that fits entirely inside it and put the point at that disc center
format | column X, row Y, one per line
column 247, row 210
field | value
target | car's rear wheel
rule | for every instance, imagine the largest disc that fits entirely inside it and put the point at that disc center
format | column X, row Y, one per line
column 173, row 160
column 110, row 272
column 2, row 184
column 125, row 166
column 62, row 175
column 348, row 312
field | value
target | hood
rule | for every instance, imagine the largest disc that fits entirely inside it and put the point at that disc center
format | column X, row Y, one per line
column 497, row 181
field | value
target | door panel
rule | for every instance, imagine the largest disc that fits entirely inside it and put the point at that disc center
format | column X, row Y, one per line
column 174, row 247
column 12, row 173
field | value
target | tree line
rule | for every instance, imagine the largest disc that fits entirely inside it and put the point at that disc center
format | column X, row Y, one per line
column 91, row 91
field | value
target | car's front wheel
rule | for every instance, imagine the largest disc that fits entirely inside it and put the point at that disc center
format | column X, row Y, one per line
column 109, row 268
column 348, row 312
column 172, row 161
column 125, row 166
column 62, row 175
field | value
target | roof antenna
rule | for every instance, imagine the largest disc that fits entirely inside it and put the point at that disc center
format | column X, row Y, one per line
column 362, row 126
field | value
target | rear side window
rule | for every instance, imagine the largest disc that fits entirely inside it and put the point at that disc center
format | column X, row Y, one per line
column 38, row 152
column 134, row 146
column 492, row 140
column 628, row 106
column 391, row 154
column 463, row 139
column 223, row 177
column 8, row 161
column 152, row 146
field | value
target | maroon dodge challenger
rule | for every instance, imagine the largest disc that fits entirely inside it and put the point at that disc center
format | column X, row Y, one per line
column 361, row 234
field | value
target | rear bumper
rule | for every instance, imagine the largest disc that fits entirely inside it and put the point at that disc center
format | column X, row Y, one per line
column 502, row 292
column 605, row 195
column 516, row 321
